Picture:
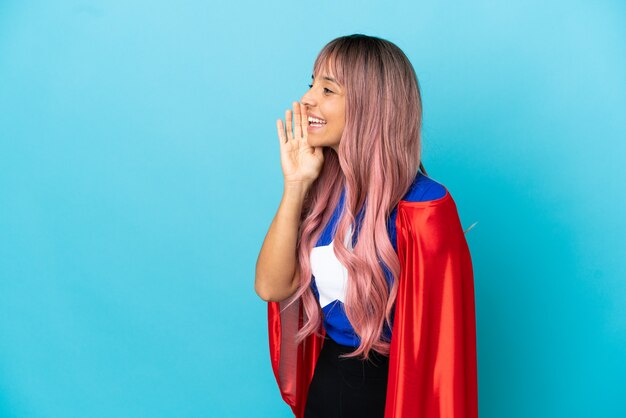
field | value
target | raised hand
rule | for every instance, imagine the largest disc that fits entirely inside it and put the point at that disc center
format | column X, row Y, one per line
column 300, row 162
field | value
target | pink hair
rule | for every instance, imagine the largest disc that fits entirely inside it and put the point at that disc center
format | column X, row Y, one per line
column 379, row 156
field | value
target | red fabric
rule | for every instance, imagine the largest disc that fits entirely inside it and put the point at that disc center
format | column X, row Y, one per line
column 432, row 363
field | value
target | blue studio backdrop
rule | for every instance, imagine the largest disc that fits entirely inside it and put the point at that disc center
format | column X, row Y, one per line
column 139, row 172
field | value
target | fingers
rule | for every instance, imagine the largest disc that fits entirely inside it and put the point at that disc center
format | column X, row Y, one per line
column 289, row 124
column 297, row 119
column 305, row 122
column 281, row 131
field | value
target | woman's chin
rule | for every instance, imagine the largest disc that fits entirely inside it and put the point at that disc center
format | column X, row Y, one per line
column 314, row 143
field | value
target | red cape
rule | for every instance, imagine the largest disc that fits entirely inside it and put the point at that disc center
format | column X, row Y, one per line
column 432, row 360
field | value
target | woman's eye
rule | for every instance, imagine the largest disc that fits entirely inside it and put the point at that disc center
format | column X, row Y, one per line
column 326, row 90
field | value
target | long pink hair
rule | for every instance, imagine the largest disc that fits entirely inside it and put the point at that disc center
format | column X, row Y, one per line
column 378, row 158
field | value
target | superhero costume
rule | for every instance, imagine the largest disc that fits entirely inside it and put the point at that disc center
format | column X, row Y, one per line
column 329, row 278
column 432, row 359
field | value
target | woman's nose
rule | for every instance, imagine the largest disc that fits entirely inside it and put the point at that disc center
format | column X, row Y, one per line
column 307, row 99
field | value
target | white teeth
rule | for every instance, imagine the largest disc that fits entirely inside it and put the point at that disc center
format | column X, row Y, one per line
column 316, row 120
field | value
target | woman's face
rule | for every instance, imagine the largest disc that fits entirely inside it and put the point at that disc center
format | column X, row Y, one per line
column 325, row 104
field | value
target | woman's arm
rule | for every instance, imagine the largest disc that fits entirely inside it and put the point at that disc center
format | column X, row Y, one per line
column 276, row 273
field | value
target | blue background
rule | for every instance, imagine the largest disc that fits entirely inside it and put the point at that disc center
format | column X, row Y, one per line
column 139, row 172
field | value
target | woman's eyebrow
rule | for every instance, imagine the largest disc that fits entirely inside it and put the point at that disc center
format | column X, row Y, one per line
column 332, row 80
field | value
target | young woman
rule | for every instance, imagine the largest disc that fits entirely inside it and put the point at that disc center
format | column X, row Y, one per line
column 365, row 266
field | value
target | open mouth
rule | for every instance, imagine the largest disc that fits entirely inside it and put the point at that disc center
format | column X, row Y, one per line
column 316, row 123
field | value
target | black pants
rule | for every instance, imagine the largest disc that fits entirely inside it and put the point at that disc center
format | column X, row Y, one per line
column 347, row 387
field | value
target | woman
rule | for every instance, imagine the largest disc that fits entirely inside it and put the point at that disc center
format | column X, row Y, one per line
column 382, row 325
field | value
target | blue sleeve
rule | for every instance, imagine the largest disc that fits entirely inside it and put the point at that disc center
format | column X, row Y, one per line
column 424, row 189
column 432, row 192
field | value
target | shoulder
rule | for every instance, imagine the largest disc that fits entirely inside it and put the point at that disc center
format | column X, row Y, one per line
column 424, row 189
column 428, row 215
